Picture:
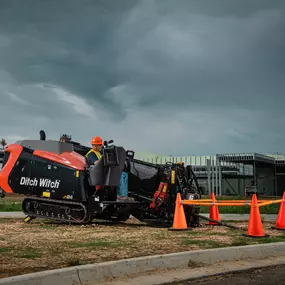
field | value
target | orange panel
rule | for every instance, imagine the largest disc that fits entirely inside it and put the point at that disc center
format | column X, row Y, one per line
column 15, row 151
column 71, row 159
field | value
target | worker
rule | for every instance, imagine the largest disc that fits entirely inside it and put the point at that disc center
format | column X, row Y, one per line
column 94, row 155
column 122, row 188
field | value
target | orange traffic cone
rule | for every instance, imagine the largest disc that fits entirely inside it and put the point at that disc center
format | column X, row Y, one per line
column 280, row 221
column 214, row 212
column 255, row 228
column 179, row 221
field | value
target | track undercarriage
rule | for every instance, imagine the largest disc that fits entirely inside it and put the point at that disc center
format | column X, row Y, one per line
column 84, row 213
column 77, row 212
column 55, row 209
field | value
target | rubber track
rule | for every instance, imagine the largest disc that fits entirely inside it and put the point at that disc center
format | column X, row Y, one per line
column 54, row 202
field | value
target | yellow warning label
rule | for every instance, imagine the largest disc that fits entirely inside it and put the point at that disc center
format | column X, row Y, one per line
column 173, row 177
column 46, row 194
column 164, row 188
column 77, row 173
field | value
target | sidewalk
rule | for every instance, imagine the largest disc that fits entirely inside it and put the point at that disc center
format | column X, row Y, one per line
column 224, row 217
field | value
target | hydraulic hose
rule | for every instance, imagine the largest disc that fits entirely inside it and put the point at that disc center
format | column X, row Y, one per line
column 218, row 222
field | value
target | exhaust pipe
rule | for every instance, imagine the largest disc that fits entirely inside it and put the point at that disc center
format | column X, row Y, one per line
column 42, row 135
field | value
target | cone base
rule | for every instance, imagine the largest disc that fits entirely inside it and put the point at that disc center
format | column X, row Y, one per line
column 276, row 228
column 175, row 230
column 252, row 236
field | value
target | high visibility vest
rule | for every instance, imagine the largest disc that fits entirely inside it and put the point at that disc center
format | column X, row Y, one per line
column 97, row 153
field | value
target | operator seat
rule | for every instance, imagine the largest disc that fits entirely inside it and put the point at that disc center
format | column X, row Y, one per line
column 96, row 173
column 107, row 172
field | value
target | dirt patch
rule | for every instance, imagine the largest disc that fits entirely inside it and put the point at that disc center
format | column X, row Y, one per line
column 43, row 245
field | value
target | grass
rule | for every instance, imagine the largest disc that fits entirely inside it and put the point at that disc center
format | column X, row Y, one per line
column 10, row 207
column 96, row 244
column 4, row 249
column 48, row 227
column 43, row 245
column 248, row 241
column 29, row 253
column 204, row 244
column 11, row 203
column 270, row 209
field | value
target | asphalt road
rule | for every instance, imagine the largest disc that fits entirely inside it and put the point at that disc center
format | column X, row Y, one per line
column 268, row 276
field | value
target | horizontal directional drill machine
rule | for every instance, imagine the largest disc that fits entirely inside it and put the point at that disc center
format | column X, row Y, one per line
column 59, row 183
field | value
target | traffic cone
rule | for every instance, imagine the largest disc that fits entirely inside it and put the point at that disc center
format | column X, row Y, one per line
column 255, row 228
column 214, row 211
column 179, row 221
column 280, row 221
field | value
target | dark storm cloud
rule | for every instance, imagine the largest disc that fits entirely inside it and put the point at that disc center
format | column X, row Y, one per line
column 224, row 61
column 63, row 43
column 211, row 71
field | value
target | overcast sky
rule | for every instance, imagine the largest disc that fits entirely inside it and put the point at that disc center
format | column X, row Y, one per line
column 170, row 77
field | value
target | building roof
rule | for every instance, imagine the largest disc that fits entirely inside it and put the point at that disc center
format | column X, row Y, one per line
column 244, row 158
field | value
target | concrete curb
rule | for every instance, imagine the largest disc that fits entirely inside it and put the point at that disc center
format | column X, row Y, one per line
column 177, row 276
column 85, row 274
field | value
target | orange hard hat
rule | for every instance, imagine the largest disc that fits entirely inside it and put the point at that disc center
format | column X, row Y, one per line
column 97, row 140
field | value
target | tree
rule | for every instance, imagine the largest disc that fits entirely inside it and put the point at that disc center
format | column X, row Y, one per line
column 3, row 143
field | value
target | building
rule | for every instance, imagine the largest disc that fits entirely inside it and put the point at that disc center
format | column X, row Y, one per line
column 232, row 174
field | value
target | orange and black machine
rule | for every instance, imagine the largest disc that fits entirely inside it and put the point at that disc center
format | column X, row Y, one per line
column 59, row 183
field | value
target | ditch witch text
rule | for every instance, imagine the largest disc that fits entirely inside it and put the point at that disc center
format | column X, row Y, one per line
column 42, row 182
